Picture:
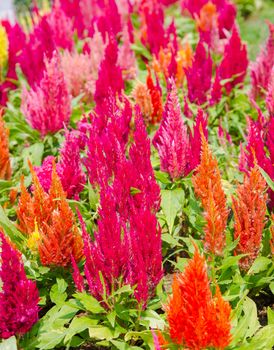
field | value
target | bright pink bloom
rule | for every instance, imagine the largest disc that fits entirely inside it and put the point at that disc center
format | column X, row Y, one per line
column 261, row 69
column 18, row 295
column 195, row 140
column 127, row 245
column 77, row 277
column 171, row 139
column 179, row 151
column 226, row 12
column 126, row 57
column 199, row 75
column 270, row 94
column 110, row 74
column 16, row 38
column 61, row 27
column 235, row 62
column 47, row 107
column 107, row 136
column 68, row 168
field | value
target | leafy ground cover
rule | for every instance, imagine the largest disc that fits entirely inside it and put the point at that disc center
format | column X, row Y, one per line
column 136, row 175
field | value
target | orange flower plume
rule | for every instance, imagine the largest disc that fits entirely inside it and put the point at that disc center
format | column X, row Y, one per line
column 156, row 99
column 249, row 209
column 5, row 168
column 49, row 222
column 208, row 187
column 197, row 319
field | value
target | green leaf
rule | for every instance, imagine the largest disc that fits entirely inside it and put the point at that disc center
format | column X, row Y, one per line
column 152, row 320
column 267, row 179
column 9, row 344
column 262, row 340
column 172, row 202
column 259, row 265
column 270, row 316
column 248, row 324
column 50, row 339
column 271, row 287
column 134, row 190
column 89, row 303
column 57, row 292
column 34, row 153
column 78, row 325
column 9, row 228
column 100, row 332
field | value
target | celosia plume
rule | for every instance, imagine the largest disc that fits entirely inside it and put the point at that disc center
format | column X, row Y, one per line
column 235, row 62
column 47, row 107
column 5, row 167
column 69, row 168
column 127, row 244
column 208, row 187
column 50, row 217
column 196, row 319
column 171, row 140
column 249, row 208
column 199, row 75
column 156, row 99
column 179, row 151
column 18, row 295
column 261, row 68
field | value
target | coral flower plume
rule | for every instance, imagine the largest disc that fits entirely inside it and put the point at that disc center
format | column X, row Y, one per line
column 196, row 319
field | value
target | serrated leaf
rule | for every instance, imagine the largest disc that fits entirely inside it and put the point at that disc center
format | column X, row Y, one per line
column 78, row 325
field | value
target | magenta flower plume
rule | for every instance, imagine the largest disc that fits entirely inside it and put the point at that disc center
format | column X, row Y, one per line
column 171, row 139
column 195, row 140
column 199, row 75
column 61, row 27
column 270, row 94
column 110, row 74
column 18, row 295
column 235, row 62
column 69, row 168
column 127, row 245
column 107, row 138
column 179, row 151
column 259, row 139
column 47, row 106
column 16, row 38
column 261, row 69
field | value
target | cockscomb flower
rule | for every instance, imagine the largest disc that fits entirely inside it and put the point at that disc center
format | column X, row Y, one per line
column 196, row 318
column 249, row 208
column 4, row 45
column 126, row 57
column 61, row 27
column 47, row 107
column 208, row 187
column 207, row 23
column 16, row 42
column 128, row 232
column 5, row 167
column 171, row 139
column 235, row 62
column 156, row 99
column 19, row 296
column 110, row 74
column 270, row 94
column 261, row 68
column 49, row 214
column 225, row 9
column 199, row 75
column 107, row 137
column 142, row 98
column 260, row 149
column 68, row 168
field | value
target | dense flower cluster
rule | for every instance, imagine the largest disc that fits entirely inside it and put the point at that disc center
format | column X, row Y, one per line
column 208, row 187
column 18, row 295
column 49, row 223
column 249, row 209
column 196, row 318
column 5, row 167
